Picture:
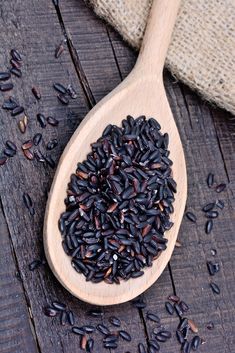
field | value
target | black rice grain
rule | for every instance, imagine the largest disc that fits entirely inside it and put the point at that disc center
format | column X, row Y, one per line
column 215, row 288
column 139, row 304
column 183, row 324
column 220, row 204
column 50, row 161
column 169, row 308
column 154, row 344
column 15, row 63
column 125, row 335
column 210, row 325
column 58, row 305
column 59, row 50
column 52, row 144
column 6, row 86
column 16, row 72
column 63, row 99
column 37, row 139
column 4, row 76
column 196, row 341
column 208, row 226
column 115, row 321
column 153, row 317
column 71, row 91
column 78, row 330
column 110, row 338
column 95, row 313
column 141, row 348
column 184, row 306
column 213, row 268
column 42, row 120
column 36, row 92
column 16, row 55
column 165, row 333
column 49, row 311
column 90, row 345
column 208, row 207
column 39, row 156
column 63, row 318
column 174, row 298
column 186, row 347
column 70, row 317
column 35, row 264
column 9, row 104
column 220, row 188
column 52, row 121
column 103, row 329
column 178, row 310
column 11, row 145
column 9, row 152
column 180, row 337
column 212, row 214
column 191, row 216
column 160, row 338
column 16, row 111
column 110, row 345
column 60, row 88
column 210, row 180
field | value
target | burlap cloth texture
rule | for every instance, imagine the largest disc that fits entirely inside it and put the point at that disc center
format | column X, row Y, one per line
column 202, row 50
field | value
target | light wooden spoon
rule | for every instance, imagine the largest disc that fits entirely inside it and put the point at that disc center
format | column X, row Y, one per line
column 141, row 93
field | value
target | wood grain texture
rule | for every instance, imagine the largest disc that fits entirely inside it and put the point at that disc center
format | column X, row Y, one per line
column 16, row 333
column 104, row 59
column 201, row 140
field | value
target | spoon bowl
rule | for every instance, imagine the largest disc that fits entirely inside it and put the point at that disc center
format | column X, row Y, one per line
column 141, row 93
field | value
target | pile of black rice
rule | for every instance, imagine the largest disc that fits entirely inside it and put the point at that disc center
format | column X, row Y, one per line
column 119, row 202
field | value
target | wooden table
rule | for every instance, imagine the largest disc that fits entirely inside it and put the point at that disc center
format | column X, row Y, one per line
column 95, row 61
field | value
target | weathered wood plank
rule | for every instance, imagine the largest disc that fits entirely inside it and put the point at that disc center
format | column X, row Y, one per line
column 203, row 155
column 15, row 332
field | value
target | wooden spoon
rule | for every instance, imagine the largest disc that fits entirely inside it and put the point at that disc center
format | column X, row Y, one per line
column 141, row 93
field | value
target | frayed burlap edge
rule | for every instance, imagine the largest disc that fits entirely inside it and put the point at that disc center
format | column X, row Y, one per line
column 202, row 51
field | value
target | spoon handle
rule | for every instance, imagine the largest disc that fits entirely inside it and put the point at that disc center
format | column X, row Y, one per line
column 157, row 36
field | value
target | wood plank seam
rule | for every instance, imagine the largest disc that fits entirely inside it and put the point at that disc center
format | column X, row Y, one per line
column 27, row 301
column 220, row 148
column 76, row 62
column 113, row 51
column 186, row 105
column 172, row 278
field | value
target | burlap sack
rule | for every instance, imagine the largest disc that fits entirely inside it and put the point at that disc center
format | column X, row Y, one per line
column 202, row 51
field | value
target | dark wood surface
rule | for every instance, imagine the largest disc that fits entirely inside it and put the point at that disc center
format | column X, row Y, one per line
column 95, row 60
